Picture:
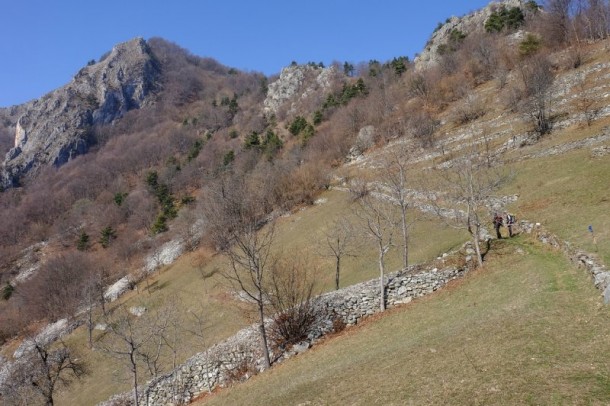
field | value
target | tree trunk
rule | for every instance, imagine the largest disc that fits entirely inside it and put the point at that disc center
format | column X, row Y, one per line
column 405, row 236
column 337, row 273
column 263, row 333
column 381, row 280
column 477, row 245
column 134, row 371
column 90, row 327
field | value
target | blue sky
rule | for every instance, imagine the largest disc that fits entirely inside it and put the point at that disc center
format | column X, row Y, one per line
column 44, row 43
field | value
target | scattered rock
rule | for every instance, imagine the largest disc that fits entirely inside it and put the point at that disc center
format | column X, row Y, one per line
column 137, row 311
column 301, row 347
column 101, row 326
column 117, row 289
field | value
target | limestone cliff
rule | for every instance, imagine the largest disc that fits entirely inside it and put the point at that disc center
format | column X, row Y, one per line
column 296, row 83
column 57, row 127
column 467, row 24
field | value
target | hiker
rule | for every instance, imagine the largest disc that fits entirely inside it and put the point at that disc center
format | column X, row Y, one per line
column 498, row 222
column 510, row 221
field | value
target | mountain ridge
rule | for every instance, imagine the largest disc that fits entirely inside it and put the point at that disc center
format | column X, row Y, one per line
column 58, row 126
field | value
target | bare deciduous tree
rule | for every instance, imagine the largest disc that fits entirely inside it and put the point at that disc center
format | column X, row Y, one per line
column 341, row 241
column 379, row 221
column 394, row 175
column 199, row 330
column 538, row 78
column 137, row 341
column 235, row 214
column 556, row 22
column 585, row 101
column 36, row 377
column 467, row 188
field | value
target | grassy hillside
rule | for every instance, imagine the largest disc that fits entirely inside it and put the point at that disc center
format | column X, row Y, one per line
column 302, row 231
column 486, row 343
column 526, row 329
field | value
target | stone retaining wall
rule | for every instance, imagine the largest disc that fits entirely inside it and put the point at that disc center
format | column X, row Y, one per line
column 584, row 260
column 239, row 356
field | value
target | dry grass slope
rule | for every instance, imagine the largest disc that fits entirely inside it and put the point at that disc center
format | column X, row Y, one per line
column 527, row 329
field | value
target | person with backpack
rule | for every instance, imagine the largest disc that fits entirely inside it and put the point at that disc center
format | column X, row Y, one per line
column 498, row 222
column 510, row 222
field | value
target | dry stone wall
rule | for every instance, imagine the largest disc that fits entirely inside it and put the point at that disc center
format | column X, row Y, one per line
column 240, row 356
column 583, row 260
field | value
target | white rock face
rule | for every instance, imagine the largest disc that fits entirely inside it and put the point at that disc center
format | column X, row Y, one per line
column 49, row 334
column 117, row 289
column 20, row 135
column 164, row 255
column 56, row 128
column 290, row 86
column 470, row 23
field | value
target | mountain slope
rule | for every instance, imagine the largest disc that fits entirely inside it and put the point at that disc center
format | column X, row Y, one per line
column 58, row 127
column 526, row 328
column 159, row 168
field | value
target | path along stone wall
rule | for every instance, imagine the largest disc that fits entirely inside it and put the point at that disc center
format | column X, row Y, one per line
column 584, row 260
column 239, row 356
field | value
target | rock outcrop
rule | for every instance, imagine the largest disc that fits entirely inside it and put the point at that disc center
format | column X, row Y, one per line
column 467, row 24
column 297, row 82
column 57, row 127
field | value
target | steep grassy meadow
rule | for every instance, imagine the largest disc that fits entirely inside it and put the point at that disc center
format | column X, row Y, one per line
column 182, row 282
column 526, row 329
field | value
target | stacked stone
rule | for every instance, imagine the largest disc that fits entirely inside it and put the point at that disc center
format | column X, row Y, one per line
column 216, row 366
column 584, row 260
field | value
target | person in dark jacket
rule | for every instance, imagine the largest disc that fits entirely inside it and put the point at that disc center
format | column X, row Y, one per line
column 498, row 222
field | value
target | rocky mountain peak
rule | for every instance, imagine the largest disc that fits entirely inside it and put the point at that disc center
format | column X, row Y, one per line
column 57, row 127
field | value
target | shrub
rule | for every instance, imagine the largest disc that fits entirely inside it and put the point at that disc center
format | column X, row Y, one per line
column 252, row 141
column 297, row 125
column 530, row 45
column 194, row 151
column 293, row 325
column 7, row 291
column 160, row 224
column 399, row 65
column 119, row 198
column 106, row 235
column 338, row 324
column 505, row 18
column 228, row 158
column 291, row 296
column 188, row 199
column 83, row 242
column 240, row 372
column 318, row 116
column 271, row 143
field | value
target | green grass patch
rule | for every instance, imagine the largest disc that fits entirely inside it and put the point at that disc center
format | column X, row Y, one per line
column 527, row 329
column 567, row 193
column 300, row 233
